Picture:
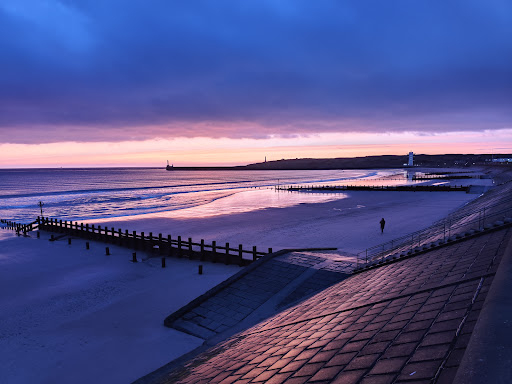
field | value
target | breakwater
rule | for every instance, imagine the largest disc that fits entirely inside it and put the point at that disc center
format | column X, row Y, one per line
column 401, row 188
column 159, row 245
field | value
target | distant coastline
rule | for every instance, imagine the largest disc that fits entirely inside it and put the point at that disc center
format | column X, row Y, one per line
column 367, row 162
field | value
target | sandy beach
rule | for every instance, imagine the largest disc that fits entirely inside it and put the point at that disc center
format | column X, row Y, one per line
column 80, row 316
column 349, row 223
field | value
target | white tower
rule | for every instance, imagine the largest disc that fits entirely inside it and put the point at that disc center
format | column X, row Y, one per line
column 411, row 159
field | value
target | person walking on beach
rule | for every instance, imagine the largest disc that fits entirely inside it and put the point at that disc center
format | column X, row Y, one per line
column 382, row 224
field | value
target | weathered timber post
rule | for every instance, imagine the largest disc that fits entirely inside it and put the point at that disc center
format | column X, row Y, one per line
column 134, row 257
column 134, row 237
column 190, row 248
column 200, row 269
column 163, row 262
column 69, row 240
column 107, row 251
column 160, row 244
column 202, row 250
column 38, row 234
column 227, row 261
column 240, row 256
column 270, row 250
column 254, row 254
column 112, row 235
column 121, row 240
column 142, row 242
column 151, row 241
column 169, row 241
column 86, row 245
column 179, row 246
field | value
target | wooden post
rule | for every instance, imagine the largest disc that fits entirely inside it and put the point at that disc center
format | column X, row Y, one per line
column 143, row 244
column 69, row 240
column 38, row 234
column 202, row 250
column 134, row 257
column 134, row 235
column 240, row 256
column 86, row 245
column 200, row 269
column 120, row 232
column 270, row 250
column 112, row 235
column 227, row 261
column 170, row 244
column 254, row 254
column 163, row 262
column 107, row 251
column 214, row 251
column 189, row 247
column 179, row 246
column 160, row 244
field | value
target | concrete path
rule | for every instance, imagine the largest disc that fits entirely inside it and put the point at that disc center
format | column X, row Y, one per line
column 268, row 288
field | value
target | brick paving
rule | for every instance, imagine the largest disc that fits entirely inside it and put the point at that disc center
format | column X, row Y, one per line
column 308, row 272
column 407, row 322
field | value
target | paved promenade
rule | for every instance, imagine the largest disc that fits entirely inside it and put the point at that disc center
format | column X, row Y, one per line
column 263, row 290
column 409, row 321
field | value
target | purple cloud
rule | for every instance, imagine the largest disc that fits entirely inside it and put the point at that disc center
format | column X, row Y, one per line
column 96, row 70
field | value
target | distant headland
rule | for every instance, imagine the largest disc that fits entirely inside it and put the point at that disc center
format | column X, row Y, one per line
column 366, row 162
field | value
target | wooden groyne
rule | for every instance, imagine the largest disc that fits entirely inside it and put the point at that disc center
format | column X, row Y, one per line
column 410, row 188
column 159, row 245
column 18, row 227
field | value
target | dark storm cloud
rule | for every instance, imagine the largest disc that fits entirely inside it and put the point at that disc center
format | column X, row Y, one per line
column 251, row 68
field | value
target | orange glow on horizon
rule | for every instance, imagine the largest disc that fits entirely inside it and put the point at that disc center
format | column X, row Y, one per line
column 227, row 152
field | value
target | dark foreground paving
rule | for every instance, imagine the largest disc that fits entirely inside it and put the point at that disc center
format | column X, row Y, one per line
column 409, row 321
column 250, row 297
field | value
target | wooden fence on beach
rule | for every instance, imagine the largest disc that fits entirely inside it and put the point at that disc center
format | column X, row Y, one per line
column 158, row 245
column 410, row 188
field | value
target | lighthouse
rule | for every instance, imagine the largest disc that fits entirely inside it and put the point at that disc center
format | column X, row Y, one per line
column 411, row 160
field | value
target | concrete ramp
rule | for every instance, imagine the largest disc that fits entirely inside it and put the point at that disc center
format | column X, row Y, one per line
column 259, row 291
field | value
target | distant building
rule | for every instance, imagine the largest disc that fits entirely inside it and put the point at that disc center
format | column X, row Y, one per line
column 502, row 160
column 410, row 163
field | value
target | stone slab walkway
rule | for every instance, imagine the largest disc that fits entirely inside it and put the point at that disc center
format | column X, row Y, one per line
column 278, row 282
column 407, row 322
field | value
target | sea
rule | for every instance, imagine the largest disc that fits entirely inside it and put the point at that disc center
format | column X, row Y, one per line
column 103, row 193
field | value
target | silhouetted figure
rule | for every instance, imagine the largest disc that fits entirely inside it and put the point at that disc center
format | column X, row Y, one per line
column 382, row 224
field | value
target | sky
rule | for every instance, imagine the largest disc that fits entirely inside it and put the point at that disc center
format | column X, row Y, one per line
column 228, row 82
